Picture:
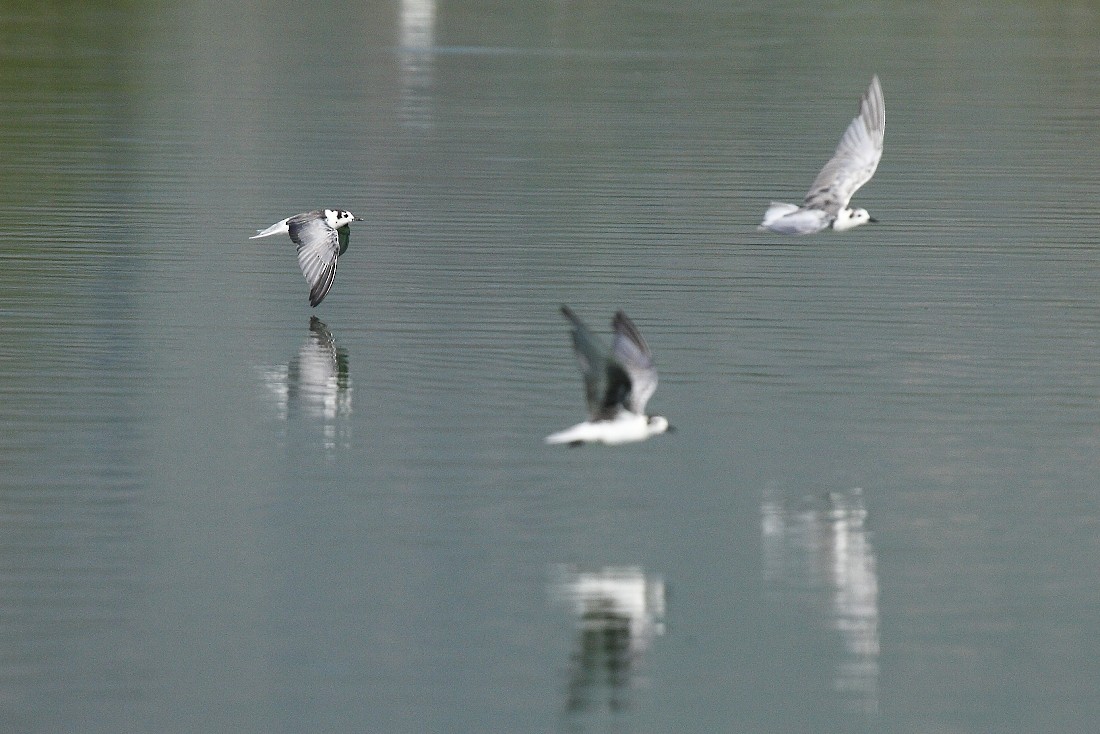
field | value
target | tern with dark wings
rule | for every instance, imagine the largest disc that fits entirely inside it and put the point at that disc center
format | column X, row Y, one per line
column 321, row 237
column 618, row 382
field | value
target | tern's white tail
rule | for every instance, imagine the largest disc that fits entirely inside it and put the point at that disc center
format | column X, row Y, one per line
column 776, row 211
column 277, row 228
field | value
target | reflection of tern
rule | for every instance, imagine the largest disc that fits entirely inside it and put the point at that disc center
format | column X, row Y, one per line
column 320, row 372
column 417, row 22
column 618, row 610
column 321, row 237
column 316, row 379
column 852, row 165
column 617, row 385
column 617, row 592
column 823, row 553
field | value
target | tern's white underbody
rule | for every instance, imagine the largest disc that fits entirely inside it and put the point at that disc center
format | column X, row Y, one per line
column 626, row 427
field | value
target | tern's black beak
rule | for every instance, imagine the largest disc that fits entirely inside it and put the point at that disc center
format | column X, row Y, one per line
column 872, row 219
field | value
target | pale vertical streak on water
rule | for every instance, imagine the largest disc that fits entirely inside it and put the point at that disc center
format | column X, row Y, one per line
column 218, row 515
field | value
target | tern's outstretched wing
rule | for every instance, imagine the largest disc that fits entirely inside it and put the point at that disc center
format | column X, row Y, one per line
column 856, row 157
column 319, row 246
column 629, row 350
column 606, row 382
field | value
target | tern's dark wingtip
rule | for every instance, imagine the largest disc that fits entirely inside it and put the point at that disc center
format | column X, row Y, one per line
column 623, row 323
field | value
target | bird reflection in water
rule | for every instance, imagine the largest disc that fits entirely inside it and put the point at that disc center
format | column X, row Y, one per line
column 316, row 384
column 821, row 553
column 619, row 611
column 417, row 44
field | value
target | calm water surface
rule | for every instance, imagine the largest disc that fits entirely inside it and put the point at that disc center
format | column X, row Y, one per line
column 217, row 513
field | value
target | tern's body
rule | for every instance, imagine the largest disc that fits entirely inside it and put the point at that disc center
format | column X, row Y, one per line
column 852, row 165
column 623, row 427
column 618, row 383
column 321, row 236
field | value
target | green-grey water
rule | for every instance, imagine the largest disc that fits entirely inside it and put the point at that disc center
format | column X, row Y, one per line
column 879, row 511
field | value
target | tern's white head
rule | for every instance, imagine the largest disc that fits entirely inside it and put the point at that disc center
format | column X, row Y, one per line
column 337, row 218
column 848, row 218
column 657, row 424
